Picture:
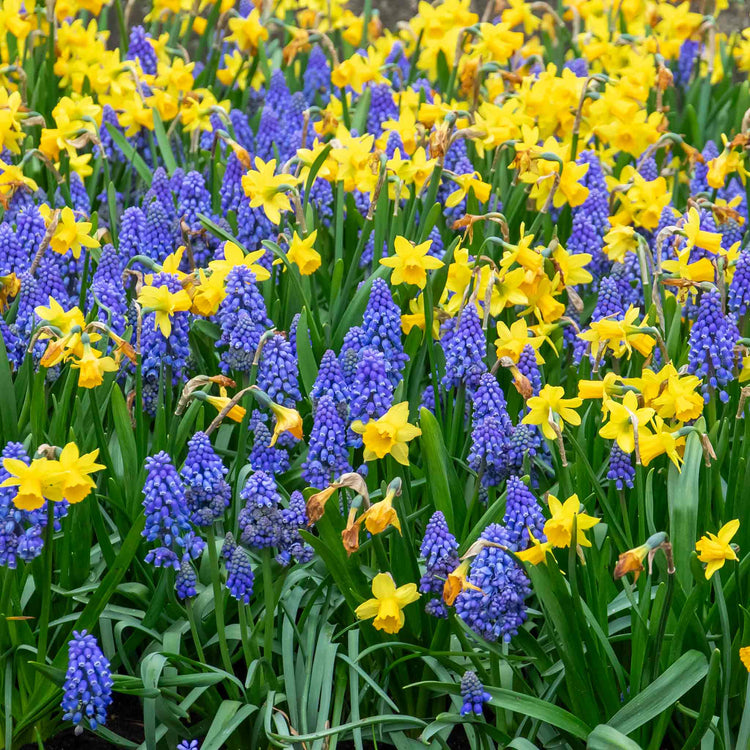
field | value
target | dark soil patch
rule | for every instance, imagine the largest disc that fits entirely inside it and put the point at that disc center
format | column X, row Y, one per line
column 125, row 718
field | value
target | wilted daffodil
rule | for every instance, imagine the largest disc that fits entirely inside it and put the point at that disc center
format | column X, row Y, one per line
column 388, row 603
column 411, row 262
column 389, row 434
column 287, row 420
column 379, row 516
column 551, row 401
column 715, row 549
column 456, row 582
column 559, row 528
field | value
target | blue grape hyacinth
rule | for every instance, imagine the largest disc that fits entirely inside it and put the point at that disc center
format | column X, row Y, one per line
column 87, row 691
column 473, row 694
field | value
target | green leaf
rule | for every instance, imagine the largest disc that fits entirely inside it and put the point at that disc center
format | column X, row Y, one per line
column 683, row 497
column 437, row 466
column 8, row 410
column 226, row 720
column 607, row 738
column 130, row 154
column 662, row 693
column 308, row 368
column 164, row 146
column 524, row 705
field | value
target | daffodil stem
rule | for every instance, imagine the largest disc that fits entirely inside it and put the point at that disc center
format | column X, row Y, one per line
column 41, row 652
column 213, row 559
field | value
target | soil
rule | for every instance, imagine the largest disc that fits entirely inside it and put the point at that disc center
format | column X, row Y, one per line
column 125, row 719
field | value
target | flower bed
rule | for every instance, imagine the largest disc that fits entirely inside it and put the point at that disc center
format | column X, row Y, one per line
column 369, row 387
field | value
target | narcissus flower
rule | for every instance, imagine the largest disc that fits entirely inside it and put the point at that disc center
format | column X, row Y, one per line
column 559, row 528
column 456, row 582
column 624, row 418
column 247, row 32
column 302, row 253
column 164, row 304
column 511, row 341
column 267, row 189
column 379, row 516
column 465, row 183
column 388, row 603
column 389, row 434
column 36, row 482
column 236, row 413
column 536, row 552
column 69, row 234
column 287, row 420
column 696, row 237
column 551, row 402
column 745, row 657
column 74, row 473
column 234, row 256
column 411, row 262
column 715, row 549
column 619, row 241
column 57, row 317
column 92, row 366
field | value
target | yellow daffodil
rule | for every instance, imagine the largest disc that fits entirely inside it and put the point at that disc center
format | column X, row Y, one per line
column 92, row 366
column 536, row 552
column 208, row 293
column 623, row 421
column 559, row 528
column 247, row 32
column 388, row 435
column 745, row 657
column 696, row 237
column 164, row 304
column 57, row 317
column 234, row 256
column 267, row 189
column 549, row 403
column 74, row 471
column 411, row 262
column 715, row 549
column 511, row 341
column 36, row 482
column 388, row 603
column 69, row 234
column 619, row 241
column 302, row 253
column 236, row 413
column 465, row 183
column 287, row 420
column 379, row 516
